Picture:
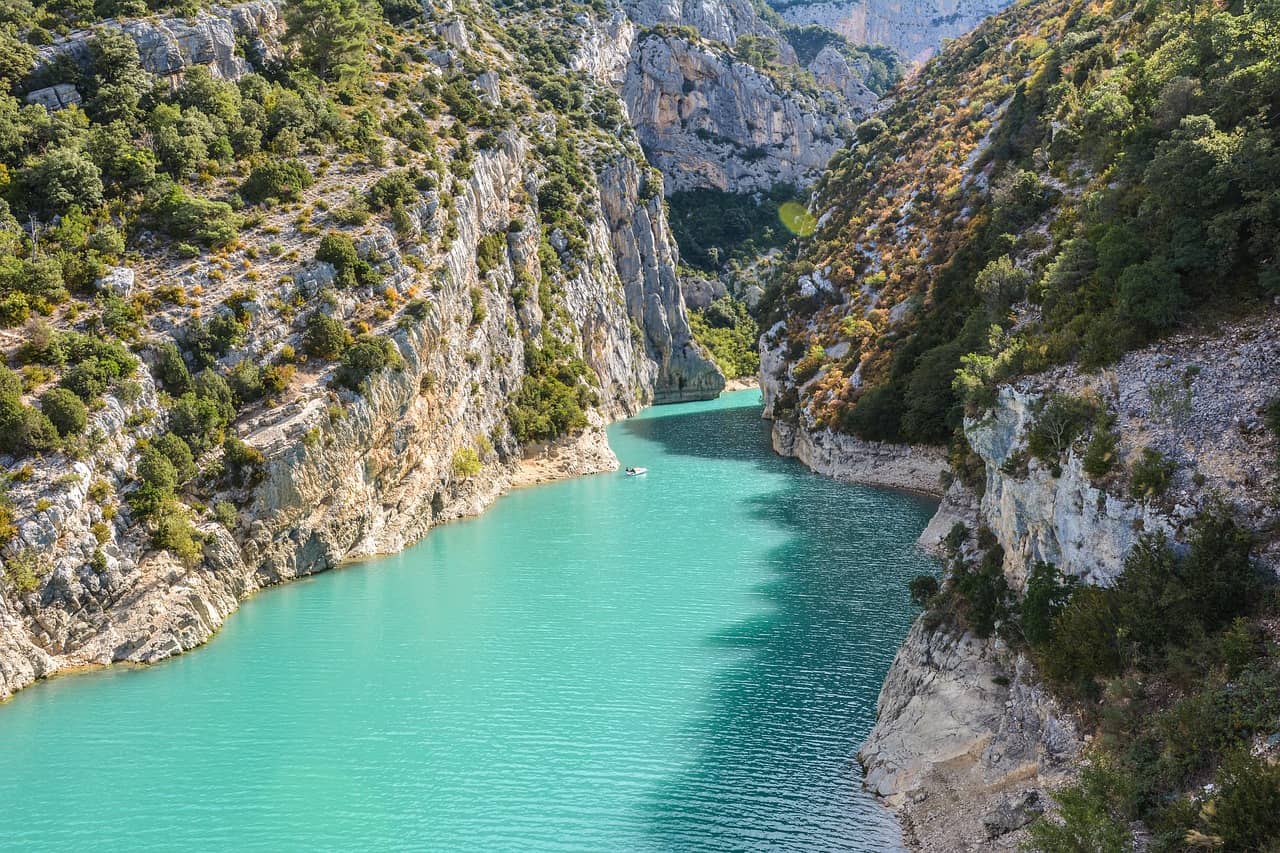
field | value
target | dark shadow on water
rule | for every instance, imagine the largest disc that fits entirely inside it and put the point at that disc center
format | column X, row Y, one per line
column 737, row 433
column 775, row 766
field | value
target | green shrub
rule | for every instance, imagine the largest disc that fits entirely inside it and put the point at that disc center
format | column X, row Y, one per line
column 922, row 589
column 1048, row 591
column 210, row 223
column 242, row 463
column 23, row 571
column 729, row 333
column 466, row 463
column 1222, row 580
column 1085, row 644
column 157, row 482
column 24, row 429
column 1091, row 817
column 246, row 382
column 65, row 411
column 324, row 337
column 351, row 270
column 1058, row 424
column 226, row 514
column 1100, row 455
column 713, row 227
column 54, row 182
column 553, row 395
column 366, row 356
column 178, row 452
column 1151, row 475
column 199, row 420
column 1244, row 810
column 985, row 592
column 284, row 180
column 478, row 309
column 173, row 532
column 491, row 251
column 392, row 190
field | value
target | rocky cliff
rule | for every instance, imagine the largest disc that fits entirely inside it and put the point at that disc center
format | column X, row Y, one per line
column 968, row 745
column 708, row 120
column 349, row 476
column 469, row 282
column 914, row 29
column 218, row 39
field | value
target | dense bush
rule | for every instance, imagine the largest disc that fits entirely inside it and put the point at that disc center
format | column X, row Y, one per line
column 243, row 464
column 282, row 180
column 1151, row 474
column 199, row 420
column 352, row 270
column 466, row 463
column 324, row 337
column 922, row 589
column 1046, row 594
column 65, row 411
column 984, row 591
column 210, row 223
column 173, row 532
column 712, row 227
column 1059, row 422
column 1100, row 454
column 1160, row 600
column 366, row 356
column 491, row 251
column 157, row 483
column 178, row 452
column 554, row 394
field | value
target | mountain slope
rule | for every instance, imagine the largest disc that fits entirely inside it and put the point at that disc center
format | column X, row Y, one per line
column 293, row 284
column 1064, row 184
column 1054, row 254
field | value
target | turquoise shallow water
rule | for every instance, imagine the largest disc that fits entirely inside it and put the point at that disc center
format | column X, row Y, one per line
column 685, row 661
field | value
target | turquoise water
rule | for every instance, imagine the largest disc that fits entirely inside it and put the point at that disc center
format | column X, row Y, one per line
column 685, row 661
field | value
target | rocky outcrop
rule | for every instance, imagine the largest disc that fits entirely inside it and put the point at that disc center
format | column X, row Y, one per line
column 708, row 120
column 966, row 742
column 851, row 460
column 647, row 266
column 721, row 20
column 349, row 475
column 606, row 49
column 962, row 724
column 168, row 46
column 1064, row 520
column 914, row 29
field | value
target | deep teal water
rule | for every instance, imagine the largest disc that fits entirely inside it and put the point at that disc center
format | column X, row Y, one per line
column 685, row 661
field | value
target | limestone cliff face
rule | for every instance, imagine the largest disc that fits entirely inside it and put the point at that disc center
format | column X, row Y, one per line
column 708, row 120
column 963, row 730
column 647, row 258
column 914, row 29
column 851, row 460
column 967, row 745
column 722, row 20
column 351, row 475
column 168, row 46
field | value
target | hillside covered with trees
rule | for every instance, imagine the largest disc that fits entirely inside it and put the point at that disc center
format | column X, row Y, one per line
column 1068, row 182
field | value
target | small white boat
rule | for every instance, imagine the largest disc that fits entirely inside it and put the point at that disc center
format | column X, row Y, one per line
column 636, row 472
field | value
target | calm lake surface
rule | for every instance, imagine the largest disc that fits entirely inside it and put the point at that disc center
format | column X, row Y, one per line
column 685, row 661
